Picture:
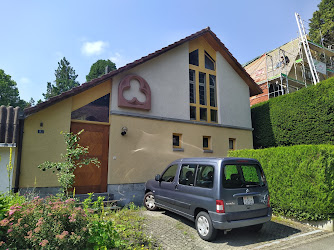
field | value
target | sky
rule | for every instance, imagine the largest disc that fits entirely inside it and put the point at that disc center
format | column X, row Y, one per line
column 36, row 34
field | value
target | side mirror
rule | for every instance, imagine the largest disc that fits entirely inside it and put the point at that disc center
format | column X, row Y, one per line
column 157, row 177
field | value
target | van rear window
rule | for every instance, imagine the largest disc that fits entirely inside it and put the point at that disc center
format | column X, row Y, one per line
column 238, row 176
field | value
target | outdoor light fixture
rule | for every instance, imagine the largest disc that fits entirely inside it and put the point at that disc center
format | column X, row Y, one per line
column 124, row 130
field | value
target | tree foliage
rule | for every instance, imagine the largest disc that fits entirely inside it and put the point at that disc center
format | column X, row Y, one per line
column 98, row 69
column 9, row 93
column 65, row 80
column 323, row 19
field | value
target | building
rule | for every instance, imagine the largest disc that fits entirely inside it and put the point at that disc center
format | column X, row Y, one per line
column 287, row 69
column 9, row 127
column 190, row 98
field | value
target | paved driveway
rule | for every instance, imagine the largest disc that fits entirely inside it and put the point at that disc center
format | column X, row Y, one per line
column 175, row 232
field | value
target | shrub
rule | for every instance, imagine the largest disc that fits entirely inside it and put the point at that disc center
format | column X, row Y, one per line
column 300, row 179
column 302, row 117
column 44, row 223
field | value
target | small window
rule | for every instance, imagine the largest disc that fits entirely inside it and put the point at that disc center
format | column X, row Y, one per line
column 192, row 113
column 177, row 140
column 187, row 174
column 203, row 114
column 206, row 142
column 169, row 174
column 213, row 114
column 209, row 62
column 193, row 57
column 205, row 176
column 231, row 144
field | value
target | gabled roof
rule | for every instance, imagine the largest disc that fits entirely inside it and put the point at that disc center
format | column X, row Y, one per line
column 212, row 39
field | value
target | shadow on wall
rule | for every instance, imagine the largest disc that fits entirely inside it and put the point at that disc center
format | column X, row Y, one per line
column 263, row 135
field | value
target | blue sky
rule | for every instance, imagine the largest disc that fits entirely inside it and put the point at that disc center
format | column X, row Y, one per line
column 35, row 35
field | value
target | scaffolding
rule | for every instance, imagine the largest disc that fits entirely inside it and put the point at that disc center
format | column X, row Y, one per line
column 292, row 66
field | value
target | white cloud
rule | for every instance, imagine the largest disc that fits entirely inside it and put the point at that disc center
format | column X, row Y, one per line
column 93, row 48
column 119, row 60
column 24, row 80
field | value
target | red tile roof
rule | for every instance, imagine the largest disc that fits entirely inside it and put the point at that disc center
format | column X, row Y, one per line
column 207, row 33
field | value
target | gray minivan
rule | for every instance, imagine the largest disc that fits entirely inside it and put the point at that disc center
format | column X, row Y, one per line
column 216, row 193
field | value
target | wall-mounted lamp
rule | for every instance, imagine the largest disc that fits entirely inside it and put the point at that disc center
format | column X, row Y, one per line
column 124, row 130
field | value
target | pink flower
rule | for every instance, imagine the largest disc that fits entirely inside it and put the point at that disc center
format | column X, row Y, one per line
column 4, row 222
column 65, row 233
column 40, row 222
column 19, row 221
column 37, row 229
column 44, row 243
column 9, row 230
column 1, row 243
column 11, row 212
column 29, row 235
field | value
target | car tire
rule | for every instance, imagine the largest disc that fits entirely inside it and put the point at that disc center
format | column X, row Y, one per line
column 149, row 201
column 204, row 227
column 256, row 228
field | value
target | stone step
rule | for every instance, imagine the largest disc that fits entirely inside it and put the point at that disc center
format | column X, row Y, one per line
column 108, row 196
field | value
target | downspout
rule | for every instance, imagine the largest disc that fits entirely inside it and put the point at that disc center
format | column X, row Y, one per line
column 19, row 154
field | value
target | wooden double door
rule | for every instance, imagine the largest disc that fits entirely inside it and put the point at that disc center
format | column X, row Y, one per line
column 91, row 178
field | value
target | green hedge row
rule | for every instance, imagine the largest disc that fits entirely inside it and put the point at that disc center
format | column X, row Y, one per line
column 302, row 117
column 300, row 179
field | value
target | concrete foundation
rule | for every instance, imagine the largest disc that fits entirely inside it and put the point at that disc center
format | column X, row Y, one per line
column 127, row 193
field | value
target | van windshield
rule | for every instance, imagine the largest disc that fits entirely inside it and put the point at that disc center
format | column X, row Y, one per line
column 238, row 176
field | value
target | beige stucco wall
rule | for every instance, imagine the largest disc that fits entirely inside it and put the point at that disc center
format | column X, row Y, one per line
column 147, row 148
column 233, row 96
column 168, row 78
column 38, row 148
column 4, row 161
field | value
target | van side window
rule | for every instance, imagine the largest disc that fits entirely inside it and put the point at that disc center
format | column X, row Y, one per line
column 205, row 176
column 169, row 174
column 187, row 174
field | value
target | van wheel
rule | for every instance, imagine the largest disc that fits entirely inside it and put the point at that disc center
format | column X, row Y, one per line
column 149, row 201
column 204, row 227
column 256, row 228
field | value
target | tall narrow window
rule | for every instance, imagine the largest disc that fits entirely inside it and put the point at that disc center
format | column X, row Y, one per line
column 192, row 86
column 193, row 57
column 213, row 102
column 202, row 88
column 209, row 62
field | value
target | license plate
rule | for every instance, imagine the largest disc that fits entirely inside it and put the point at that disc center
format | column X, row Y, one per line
column 248, row 200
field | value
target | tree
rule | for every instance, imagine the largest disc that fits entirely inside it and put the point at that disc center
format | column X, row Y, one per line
column 65, row 80
column 98, row 69
column 323, row 20
column 9, row 93
column 76, row 156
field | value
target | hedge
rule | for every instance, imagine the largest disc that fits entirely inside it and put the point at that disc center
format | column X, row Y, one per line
column 300, row 179
column 302, row 117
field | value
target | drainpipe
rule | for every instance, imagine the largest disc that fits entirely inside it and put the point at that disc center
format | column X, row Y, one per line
column 19, row 154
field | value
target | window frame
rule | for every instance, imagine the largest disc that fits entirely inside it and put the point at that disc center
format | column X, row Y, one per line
column 233, row 140
column 209, row 142
column 180, row 140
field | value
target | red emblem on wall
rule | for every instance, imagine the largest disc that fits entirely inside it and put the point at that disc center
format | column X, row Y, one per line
column 134, row 102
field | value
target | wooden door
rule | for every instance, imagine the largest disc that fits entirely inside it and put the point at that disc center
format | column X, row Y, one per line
column 91, row 178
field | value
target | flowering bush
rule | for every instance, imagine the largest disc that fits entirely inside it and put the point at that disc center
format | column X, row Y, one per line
column 45, row 223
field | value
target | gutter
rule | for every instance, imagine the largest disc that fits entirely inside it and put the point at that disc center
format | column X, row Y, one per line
column 19, row 154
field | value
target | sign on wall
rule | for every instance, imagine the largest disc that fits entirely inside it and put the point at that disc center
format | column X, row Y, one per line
column 320, row 66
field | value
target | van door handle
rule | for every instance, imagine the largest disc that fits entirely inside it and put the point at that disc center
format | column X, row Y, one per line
column 176, row 188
